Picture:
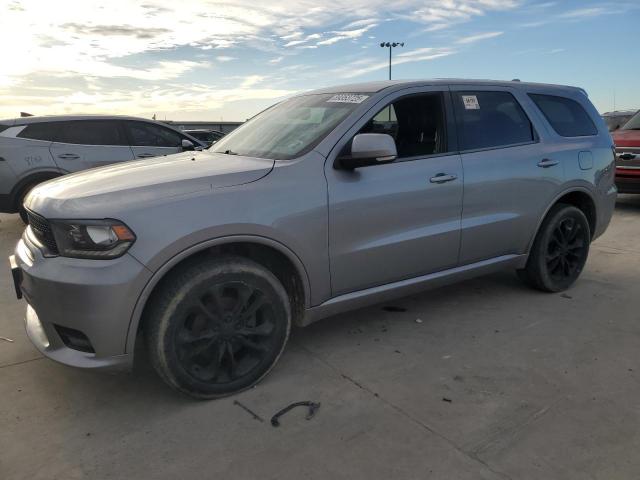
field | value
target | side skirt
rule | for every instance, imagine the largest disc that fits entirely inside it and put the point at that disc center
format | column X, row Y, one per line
column 402, row 288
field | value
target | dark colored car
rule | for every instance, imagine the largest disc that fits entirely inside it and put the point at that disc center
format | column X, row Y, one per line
column 209, row 137
column 627, row 140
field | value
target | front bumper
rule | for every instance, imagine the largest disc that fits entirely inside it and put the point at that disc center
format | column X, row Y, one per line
column 94, row 297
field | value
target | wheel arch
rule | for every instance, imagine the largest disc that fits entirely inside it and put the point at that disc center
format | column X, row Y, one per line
column 580, row 198
column 273, row 255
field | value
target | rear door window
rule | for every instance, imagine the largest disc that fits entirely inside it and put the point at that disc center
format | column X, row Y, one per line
column 143, row 134
column 90, row 132
column 491, row 120
column 566, row 116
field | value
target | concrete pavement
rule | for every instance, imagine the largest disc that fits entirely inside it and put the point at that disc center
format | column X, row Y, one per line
column 497, row 381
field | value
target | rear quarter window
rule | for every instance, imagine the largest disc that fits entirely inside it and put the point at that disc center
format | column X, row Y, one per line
column 46, row 131
column 566, row 116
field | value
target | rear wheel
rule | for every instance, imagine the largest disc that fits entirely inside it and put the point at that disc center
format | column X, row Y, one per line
column 217, row 327
column 559, row 251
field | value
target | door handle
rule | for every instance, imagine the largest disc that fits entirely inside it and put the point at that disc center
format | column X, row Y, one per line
column 627, row 156
column 442, row 178
column 68, row 156
column 546, row 163
column 145, row 155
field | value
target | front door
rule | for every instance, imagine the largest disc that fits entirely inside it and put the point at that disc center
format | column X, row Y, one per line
column 399, row 220
column 151, row 140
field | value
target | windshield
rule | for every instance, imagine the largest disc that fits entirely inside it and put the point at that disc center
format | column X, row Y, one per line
column 291, row 128
column 633, row 124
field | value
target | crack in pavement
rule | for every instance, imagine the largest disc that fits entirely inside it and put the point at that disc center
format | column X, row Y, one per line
column 404, row 413
column 21, row 362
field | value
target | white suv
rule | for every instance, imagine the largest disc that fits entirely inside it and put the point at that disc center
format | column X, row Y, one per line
column 35, row 149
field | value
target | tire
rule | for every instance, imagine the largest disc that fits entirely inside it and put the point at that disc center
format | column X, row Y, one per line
column 560, row 250
column 217, row 326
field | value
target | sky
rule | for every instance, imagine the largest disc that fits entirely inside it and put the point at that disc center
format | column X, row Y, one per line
column 227, row 60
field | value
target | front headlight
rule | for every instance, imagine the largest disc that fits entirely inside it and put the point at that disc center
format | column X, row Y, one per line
column 98, row 239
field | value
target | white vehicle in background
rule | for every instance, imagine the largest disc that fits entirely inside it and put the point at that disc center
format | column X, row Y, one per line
column 35, row 149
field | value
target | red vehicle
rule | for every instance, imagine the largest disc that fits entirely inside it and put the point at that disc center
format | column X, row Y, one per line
column 627, row 140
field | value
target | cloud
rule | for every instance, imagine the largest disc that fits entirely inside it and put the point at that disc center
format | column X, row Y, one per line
column 364, row 66
column 345, row 35
column 251, row 80
column 579, row 14
column 146, row 45
column 139, row 101
column 444, row 14
column 478, row 37
column 584, row 12
column 276, row 60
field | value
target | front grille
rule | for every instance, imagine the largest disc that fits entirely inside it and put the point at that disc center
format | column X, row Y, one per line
column 42, row 231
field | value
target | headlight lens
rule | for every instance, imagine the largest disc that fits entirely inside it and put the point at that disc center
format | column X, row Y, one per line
column 99, row 239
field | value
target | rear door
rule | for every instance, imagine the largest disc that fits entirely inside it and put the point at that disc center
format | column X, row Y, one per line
column 151, row 140
column 82, row 144
column 510, row 175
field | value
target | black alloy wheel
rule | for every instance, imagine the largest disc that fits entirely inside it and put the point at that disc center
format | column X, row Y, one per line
column 566, row 250
column 559, row 251
column 217, row 326
column 226, row 333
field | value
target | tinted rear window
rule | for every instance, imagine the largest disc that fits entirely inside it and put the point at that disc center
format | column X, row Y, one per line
column 491, row 120
column 80, row 132
column 566, row 116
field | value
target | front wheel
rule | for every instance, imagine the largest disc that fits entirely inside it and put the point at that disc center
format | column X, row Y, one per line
column 217, row 326
column 559, row 251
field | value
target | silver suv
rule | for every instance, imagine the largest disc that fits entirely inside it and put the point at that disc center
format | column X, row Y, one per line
column 323, row 203
column 35, row 149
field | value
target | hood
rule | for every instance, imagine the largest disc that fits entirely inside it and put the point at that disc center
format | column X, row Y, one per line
column 142, row 181
column 626, row 138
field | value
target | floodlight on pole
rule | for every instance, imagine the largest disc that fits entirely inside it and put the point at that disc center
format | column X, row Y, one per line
column 391, row 46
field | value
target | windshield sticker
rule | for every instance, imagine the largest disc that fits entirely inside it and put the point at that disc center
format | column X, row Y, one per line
column 470, row 102
column 347, row 98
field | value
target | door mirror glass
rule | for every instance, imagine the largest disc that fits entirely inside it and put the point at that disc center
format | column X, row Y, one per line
column 369, row 149
column 187, row 145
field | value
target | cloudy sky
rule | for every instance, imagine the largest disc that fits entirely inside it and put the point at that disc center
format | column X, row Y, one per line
column 213, row 60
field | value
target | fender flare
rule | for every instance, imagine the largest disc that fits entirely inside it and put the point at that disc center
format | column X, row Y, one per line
column 159, row 274
column 552, row 203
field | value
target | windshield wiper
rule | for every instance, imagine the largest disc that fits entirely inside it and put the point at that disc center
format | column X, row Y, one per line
column 228, row 152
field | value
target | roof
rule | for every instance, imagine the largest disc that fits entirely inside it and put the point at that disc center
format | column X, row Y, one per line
column 53, row 118
column 372, row 87
column 619, row 113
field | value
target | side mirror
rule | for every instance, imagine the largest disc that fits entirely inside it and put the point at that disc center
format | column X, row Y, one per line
column 187, row 145
column 368, row 149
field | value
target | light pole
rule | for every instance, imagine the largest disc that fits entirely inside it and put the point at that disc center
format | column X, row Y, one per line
column 391, row 45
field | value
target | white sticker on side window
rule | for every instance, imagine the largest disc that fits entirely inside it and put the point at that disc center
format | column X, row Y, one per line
column 470, row 102
column 348, row 98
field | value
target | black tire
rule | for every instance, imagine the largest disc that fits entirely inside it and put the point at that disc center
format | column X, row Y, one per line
column 559, row 251
column 216, row 327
